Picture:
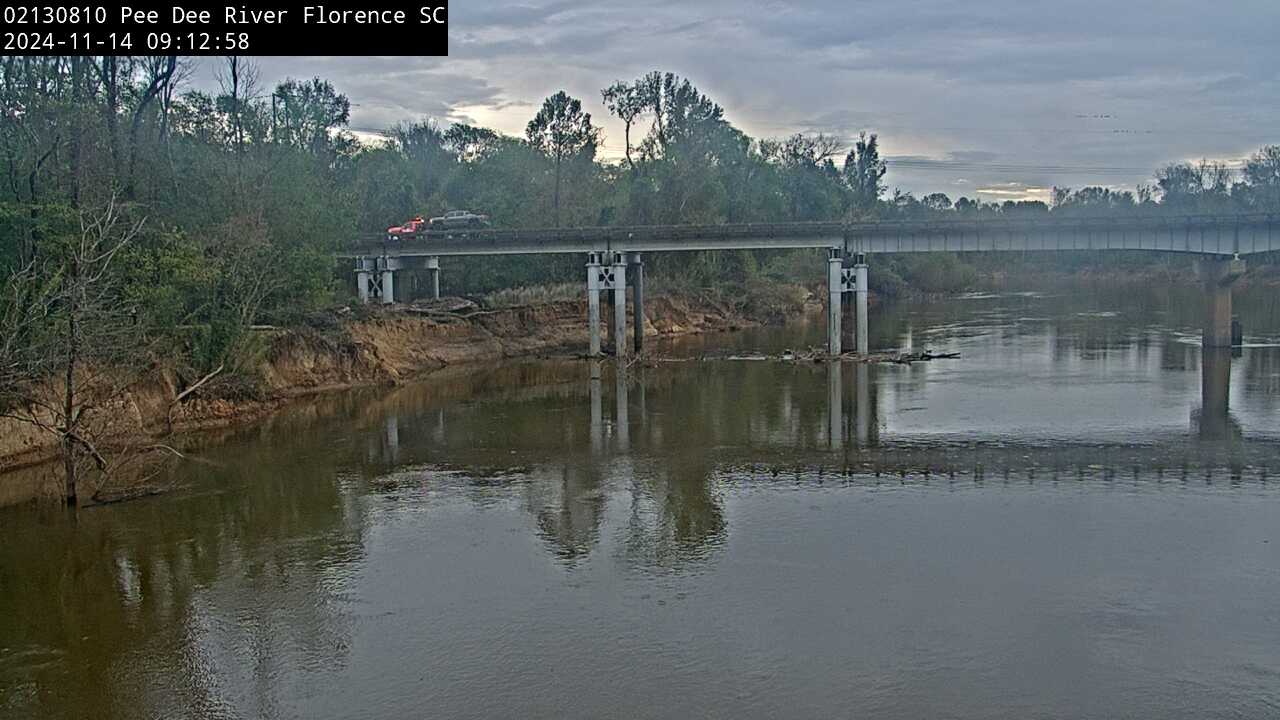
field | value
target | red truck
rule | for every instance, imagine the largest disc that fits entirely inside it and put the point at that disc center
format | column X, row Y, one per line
column 413, row 227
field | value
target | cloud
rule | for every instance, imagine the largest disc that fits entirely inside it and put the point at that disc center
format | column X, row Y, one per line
column 1030, row 91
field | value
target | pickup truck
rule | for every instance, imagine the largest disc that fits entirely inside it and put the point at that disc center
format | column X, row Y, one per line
column 457, row 219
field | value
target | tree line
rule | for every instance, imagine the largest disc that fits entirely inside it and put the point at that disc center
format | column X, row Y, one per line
column 141, row 218
column 246, row 191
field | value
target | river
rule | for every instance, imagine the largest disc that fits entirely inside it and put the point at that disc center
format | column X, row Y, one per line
column 1070, row 520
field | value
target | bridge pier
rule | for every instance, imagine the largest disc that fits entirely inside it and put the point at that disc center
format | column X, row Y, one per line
column 364, row 278
column 593, row 304
column 835, row 292
column 1218, row 276
column 362, row 285
column 388, row 284
column 433, row 265
column 620, row 305
column 841, row 280
column 637, row 299
column 860, row 305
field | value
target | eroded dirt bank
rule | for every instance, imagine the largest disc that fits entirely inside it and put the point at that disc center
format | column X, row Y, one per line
column 377, row 345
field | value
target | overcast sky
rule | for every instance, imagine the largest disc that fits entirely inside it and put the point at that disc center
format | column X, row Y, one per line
column 996, row 98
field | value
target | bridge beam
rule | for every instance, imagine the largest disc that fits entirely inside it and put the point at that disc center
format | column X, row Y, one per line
column 637, row 299
column 433, row 265
column 620, row 304
column 593, row 304
column 835, row 291
column 1218, row 276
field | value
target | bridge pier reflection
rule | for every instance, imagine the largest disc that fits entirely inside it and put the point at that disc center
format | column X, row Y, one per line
column 860, row 421
column 597, row 409
column 863, row 411
column 835, row 405
column 621, row 419
column 1214, row 418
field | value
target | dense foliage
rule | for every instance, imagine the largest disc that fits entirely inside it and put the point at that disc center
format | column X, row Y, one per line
column 247, row 191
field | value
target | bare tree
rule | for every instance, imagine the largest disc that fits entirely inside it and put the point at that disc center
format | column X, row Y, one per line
column 72, row 345
column 159, row 73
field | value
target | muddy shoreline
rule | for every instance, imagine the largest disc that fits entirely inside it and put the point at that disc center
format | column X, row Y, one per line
column 368, row 346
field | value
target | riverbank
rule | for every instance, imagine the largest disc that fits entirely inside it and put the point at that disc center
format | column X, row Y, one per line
column 373, row 345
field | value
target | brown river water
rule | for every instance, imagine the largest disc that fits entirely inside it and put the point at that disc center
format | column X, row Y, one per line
column 1079, row 518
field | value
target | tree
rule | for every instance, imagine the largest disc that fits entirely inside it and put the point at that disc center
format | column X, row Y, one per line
column 1194, row 188
column 423, row 144
column 627, row 102
column 809, row 178
column 563, row 132
column 938, row 202
column 864, row 173
column 469, row 143
column 305, row 114
column 1262, row 179
column 160, row 72
column 72, row 343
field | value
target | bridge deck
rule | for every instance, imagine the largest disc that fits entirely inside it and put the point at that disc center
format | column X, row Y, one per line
column 1203, row 234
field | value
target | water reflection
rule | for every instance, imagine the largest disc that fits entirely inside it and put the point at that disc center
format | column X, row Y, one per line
column 495, row 521
column 1214, row 416
column 189, row 605
column 851, row 415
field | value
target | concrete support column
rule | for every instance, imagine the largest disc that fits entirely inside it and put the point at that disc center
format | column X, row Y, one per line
column 860, row 307
column 637, row 299
column 620, row 305
column 362, row 285
column 1218, row 276
column 388, row 286
column 593, row 304
column 433, row 265
column 834, row 293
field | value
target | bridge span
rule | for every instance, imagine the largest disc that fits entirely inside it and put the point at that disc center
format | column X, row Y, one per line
column 614, row 253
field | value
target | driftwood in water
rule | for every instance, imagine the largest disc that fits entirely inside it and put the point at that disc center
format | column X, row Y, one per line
column 813, row 355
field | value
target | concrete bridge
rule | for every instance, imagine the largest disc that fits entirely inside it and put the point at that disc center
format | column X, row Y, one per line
column 615, row 253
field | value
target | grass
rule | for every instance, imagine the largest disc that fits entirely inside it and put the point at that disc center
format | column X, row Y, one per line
column 533, row 295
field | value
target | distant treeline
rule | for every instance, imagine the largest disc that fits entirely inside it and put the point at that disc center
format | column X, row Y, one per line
column 247, row 191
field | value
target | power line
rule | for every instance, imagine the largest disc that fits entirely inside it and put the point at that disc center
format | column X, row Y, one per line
column 921, row 164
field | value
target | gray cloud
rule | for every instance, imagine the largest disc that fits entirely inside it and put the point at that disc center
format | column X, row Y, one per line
column 1064, row 93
